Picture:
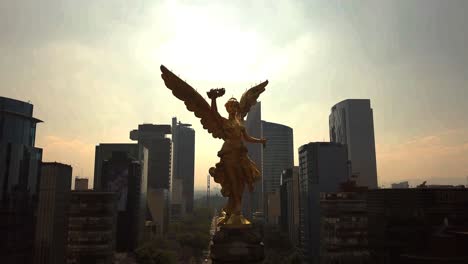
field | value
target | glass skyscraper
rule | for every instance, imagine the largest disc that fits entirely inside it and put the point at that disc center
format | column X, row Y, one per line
column 19, row 177
column 352, row 124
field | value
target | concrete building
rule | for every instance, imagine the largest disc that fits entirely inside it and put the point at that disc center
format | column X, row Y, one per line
column 183, row 139
column 81, row 184
column 253, row 202
column 91, row 227
column 155, row 153
column 323, row 166
column 19, row 180
column 404, row 224
column 400, row 185
column 177, row 201
column 122, row 174
column 104, row 152
column 153, row 137
column 52, row 215
column 343, row 228
column 158, row 205
column 277, row 156
column 352, row 124
column 290, row 204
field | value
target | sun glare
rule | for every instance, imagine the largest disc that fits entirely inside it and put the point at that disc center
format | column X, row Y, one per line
column 206, row 46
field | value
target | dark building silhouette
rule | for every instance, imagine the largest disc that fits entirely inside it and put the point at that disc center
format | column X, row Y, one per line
column 343, row 228
column 183, row 138
column 290, row 204
column 19, row 180
column 122, row 175
column 417, row 225
column 322, row 167
column 155, row 154
column 81, row 184
column 91, row 227
column 277, row 156
column 52, row 216
column 352, row 124
column 104, row 152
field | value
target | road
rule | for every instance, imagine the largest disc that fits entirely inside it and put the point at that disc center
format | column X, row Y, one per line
column 207, row 253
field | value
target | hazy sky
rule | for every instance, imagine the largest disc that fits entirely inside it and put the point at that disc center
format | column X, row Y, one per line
column 91, row 69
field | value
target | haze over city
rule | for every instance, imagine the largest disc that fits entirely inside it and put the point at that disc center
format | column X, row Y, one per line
column 91, row 69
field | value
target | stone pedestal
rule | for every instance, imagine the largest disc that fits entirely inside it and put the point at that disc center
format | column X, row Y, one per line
column 237, row 245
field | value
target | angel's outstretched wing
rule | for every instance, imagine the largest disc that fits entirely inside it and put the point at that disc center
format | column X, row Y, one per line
column 211, row 120
column 249, row 98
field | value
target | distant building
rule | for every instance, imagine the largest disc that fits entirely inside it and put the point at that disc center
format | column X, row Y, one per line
column 290, row 203
column 253, row 202
column 122, row 174
column 153, row 137
column 322, row 167
column 400, row 185
column 277, row 156
column 183, row 139
column 158, row 205
column 274, row 207
column 343, row 228
column 155, row 155
column 52, row 215
column 81, row 184
column 19, row 180
column 405, row 223
column 104, row 152
column 352, row 124
column 91, row 227
column 177, row 200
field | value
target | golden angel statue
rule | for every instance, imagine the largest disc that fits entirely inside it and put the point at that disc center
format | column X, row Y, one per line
column 235, row 171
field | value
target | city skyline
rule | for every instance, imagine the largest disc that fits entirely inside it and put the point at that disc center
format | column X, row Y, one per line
column 94, row 76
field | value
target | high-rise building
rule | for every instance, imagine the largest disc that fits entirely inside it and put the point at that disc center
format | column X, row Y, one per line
column 277, row 156
column 183, row 138
column 122, row 174
column 323, row 166
column 104, row 152
column 52, row 216
column 290, row 203
column 352, row 123
column 81, row 184
column 91, row 227
column 155, row 154
column 253, row 201
column 19, row 177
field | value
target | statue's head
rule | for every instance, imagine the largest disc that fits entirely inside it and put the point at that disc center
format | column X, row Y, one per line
column 232, row 106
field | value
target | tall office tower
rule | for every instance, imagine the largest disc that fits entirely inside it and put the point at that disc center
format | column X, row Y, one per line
column 323, row 166
column 122, row 174
column 253, row 202
column 81, row 184
column 290, row 204
column 91, row 227
column 19, row 176
column 104, row 152
column 183, row 138
column 352, row 123
column 155, row 153
column 277, row 156
column 52, row 216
